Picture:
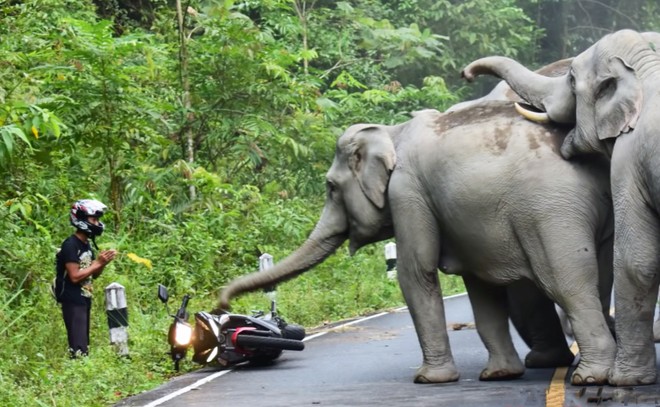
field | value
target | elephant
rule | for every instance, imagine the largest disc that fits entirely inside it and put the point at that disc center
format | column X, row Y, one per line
column 479, row 192
column 502, row 91
column 610, row 97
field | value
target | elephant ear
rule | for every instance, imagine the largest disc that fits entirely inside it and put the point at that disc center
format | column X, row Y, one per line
column 372, row 159
column 618, row 100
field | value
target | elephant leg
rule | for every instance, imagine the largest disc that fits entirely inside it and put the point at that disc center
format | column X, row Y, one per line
column 606, row 278
column 568, row 272
column 536, row 320
column 636, row 263
column 491, row 316
column 417, row 251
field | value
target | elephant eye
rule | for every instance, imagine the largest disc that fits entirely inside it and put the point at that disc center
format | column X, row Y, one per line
column 330, row 187
column 571, row 79
column 605, row 87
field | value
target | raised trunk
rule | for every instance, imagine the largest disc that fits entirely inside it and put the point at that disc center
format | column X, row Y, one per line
column 550, row 94
column 315, row 250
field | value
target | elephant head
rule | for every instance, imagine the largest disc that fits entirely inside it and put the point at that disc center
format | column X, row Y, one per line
column 356, row 208
column 601, row 93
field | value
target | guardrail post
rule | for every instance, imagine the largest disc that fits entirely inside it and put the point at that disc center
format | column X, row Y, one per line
column 390, row 260
column 115, row 306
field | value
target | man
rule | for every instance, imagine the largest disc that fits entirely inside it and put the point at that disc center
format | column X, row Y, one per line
column 76, row 266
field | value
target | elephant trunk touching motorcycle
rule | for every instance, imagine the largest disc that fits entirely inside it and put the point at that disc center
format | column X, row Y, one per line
column 479, row 192
column 228, row 339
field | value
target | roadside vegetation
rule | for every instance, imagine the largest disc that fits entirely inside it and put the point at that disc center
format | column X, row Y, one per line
column 207, row 127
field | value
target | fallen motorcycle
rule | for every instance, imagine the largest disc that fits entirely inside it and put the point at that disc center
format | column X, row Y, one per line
column 228, row 339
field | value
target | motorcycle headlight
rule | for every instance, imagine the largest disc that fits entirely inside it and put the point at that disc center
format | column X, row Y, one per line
column 182, row 334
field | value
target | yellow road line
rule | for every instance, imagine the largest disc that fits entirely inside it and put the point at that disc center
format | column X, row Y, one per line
column 555, row 395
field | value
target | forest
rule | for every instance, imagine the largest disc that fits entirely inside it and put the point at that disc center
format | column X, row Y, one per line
column 207, row 127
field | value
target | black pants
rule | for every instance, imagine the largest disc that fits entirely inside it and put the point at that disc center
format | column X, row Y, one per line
column 76, row 320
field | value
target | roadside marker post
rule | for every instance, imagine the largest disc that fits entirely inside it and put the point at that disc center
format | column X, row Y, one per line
column 390, row 260
column 117, row 312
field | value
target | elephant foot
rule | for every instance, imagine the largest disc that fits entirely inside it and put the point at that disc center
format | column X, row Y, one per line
column 494, row 375
column 631, row 377
column 537, row 359
column 584, row 376
column 436, row 374
column 507, row 370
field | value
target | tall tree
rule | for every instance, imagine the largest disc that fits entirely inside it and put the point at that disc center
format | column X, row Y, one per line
column 572, row 26
column 185, row 88
column 303, row 10
column 552, row 16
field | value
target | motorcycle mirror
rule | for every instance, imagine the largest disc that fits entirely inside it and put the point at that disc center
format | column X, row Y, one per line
column 162, row 293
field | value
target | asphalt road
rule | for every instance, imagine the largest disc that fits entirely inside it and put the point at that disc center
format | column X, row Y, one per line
column 371, row 363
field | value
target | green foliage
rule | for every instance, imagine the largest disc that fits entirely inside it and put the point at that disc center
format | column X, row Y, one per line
column 390, row 104
column 470, row 29
column 17, row 120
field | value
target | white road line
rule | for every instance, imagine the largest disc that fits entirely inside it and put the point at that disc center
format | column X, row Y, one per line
column 187, row 388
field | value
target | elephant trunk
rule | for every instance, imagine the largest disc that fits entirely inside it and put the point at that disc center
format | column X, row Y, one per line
column 550, row 94
column 315, row 250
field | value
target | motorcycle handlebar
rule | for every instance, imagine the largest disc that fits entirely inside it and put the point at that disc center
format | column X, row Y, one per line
column 181, row 313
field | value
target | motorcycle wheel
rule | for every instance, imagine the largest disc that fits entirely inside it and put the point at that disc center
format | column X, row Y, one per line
column 254, row 341
column 293, row 331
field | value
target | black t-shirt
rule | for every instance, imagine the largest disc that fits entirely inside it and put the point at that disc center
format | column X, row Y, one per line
column 73, row 250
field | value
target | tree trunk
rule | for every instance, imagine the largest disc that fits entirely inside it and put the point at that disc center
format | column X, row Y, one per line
column 302, row 9
column 185, row 96
column 552, row 18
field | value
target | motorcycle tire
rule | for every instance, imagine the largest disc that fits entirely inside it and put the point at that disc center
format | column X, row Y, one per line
column 257, row 342
column 293, row 331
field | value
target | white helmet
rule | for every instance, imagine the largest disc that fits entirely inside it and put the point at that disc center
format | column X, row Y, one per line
column 83, row 209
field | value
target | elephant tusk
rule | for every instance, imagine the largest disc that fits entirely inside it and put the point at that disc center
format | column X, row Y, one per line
column 535, row 116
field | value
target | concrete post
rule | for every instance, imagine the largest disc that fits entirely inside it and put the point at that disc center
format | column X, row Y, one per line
column 390, row 260
column 266, row 262
column 115, row 306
